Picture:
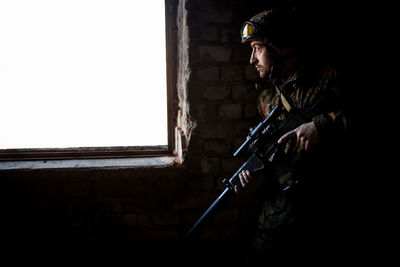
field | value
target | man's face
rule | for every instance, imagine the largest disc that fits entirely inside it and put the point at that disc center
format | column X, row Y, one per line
column 260, row 58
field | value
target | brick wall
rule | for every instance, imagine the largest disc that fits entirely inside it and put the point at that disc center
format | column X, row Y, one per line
column 135, row 207
column 154, row 207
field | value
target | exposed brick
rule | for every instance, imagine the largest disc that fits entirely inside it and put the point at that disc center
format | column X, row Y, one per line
column 206, row 111
column 216, row 98
column 237, row 128
column 215, row 53
column 217, row 92
column 209, row 33
column 217, row 147
column 250, row 111
column 230, row 111
column 242, row 129
column 241, row 53
column 207, row 73
column 231, row 36
column 231, row 73
column 210, row 165
column 209, row 14
column 213, row 131
column 207, row 182
column 251, row 72
column 244, row 91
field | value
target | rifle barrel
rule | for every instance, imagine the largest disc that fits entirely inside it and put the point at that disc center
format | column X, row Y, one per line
column 227, row 193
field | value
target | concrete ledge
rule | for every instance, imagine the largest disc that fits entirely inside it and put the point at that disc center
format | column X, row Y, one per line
column 146, row 162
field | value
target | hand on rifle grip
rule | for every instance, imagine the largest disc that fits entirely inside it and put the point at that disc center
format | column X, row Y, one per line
column 249, row 182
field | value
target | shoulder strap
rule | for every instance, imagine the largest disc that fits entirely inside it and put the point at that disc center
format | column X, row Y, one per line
column 285, row 103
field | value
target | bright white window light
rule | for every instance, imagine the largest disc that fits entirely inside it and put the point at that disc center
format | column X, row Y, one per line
column 82, row 73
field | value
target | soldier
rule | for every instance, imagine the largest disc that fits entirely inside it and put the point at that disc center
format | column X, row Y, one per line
column 288, row 188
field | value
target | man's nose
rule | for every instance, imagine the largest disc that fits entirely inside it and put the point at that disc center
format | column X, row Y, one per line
column 252, row 58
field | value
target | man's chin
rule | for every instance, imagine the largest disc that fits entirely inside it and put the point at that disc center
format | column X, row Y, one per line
column 264, row 74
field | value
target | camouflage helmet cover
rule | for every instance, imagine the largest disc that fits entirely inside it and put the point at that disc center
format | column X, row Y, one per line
column 276, row 25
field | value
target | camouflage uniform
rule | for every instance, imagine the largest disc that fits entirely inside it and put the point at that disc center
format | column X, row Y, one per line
column 280, row 209
column 284, row 212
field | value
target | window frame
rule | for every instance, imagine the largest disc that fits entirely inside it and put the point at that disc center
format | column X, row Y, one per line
column 119, row 151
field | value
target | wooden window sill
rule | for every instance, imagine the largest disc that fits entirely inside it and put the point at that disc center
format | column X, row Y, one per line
column 116, row 163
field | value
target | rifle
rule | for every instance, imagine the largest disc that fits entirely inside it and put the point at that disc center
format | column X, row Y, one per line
column 262, row 142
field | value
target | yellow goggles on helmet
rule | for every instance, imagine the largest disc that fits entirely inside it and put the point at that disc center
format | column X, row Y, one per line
column 249, row 30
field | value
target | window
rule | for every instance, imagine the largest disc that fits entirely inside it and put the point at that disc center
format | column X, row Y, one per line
column 83, row 78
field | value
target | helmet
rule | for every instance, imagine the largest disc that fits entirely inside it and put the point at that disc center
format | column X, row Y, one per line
column 275, row 27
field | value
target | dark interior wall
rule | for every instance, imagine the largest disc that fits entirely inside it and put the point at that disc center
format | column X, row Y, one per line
column 148, row 210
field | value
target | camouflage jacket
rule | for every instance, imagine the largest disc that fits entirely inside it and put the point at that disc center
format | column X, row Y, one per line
column 301, row 90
